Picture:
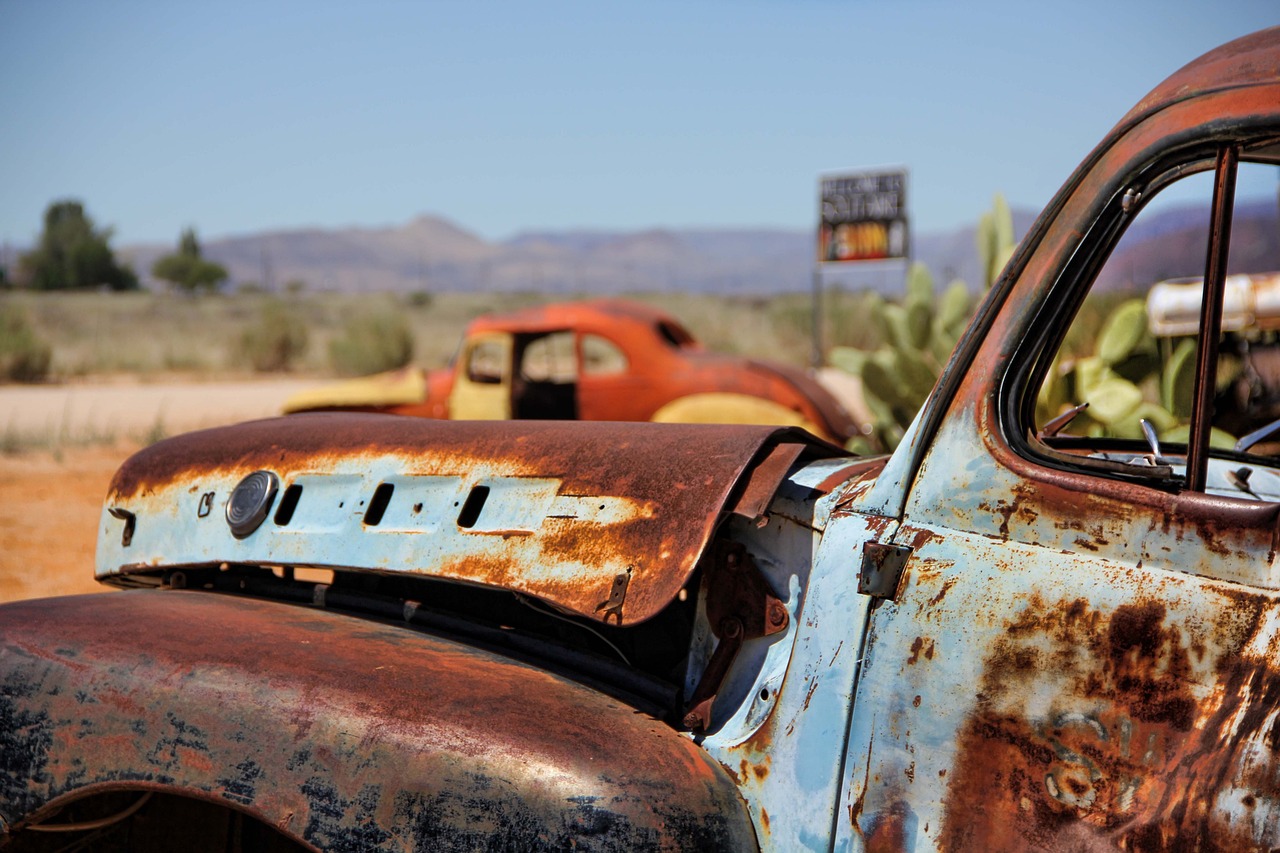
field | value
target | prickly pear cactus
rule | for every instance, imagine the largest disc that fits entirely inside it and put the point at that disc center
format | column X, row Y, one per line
column 1112, row 381
column 1127, row 380
column 1124, row 332
column 995, row 239
column 920, row 334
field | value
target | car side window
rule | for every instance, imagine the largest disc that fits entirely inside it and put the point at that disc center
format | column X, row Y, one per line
column 549, row 358
column 1120, row 388
column 602, row 357
column 486, row 362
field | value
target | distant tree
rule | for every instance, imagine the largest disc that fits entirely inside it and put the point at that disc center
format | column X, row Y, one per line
column 186, row 269
column 73, row 254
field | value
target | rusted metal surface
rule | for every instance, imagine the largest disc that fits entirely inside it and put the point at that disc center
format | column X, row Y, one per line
column 740, row 607
column 592, row 314
column 342, row 733
column 785, row 734
column 762, row 482
column 1016, row 700
column 663, row 364
column 1215, row 275
column 555, row 510
column 1248, row 61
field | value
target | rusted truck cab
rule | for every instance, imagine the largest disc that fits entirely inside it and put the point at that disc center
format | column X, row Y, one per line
column 1029, row 628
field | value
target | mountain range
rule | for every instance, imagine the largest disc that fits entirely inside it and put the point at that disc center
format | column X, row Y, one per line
column 432, row 254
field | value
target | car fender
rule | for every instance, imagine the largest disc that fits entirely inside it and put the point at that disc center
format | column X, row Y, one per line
column 341, row 732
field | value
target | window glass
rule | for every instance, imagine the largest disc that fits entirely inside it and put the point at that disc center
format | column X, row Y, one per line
column 602, row 357
column 1130, row 353
column 486, row 362
column 549, row 358
column 674, row 334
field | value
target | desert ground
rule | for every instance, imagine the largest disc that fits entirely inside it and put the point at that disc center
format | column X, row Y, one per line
column 73, row 437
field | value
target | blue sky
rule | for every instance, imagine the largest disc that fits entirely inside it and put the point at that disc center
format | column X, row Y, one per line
column 511, row 116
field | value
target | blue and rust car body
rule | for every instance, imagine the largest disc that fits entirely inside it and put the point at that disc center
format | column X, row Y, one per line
column 604, row 636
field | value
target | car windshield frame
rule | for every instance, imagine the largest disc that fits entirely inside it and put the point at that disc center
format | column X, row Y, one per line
column 1182, row 468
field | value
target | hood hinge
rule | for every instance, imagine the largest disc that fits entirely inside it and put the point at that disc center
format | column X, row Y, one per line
column 882, row 567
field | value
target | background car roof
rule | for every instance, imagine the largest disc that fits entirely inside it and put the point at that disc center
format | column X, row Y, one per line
column 565, row 315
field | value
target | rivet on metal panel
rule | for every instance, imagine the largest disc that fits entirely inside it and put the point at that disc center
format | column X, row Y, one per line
column 612, row 606
column 777, row 614
column 882, row 567
column 130, row 522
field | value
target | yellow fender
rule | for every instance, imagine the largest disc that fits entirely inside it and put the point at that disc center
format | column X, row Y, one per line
column 394, row 388
column 719, row 407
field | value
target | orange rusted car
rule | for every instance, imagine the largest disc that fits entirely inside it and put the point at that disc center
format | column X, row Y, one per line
column 601, row 360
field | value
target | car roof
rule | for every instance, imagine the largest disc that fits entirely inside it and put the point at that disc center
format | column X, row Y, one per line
column 567, row 315
column 1251, row 60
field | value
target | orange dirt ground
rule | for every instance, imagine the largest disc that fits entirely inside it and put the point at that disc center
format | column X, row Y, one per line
column 49, row 507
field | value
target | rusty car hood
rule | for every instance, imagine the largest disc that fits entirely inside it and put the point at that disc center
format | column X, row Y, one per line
column 603, row 520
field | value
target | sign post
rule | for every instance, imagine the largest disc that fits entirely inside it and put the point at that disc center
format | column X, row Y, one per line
column 862, row 220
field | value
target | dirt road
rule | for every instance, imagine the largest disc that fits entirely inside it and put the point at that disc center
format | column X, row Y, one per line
column 75, row 436
column 78, row 411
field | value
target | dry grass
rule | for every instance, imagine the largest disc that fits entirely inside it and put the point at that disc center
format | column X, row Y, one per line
column 174, row 336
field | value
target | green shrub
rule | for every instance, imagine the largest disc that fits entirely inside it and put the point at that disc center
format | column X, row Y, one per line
column 276, row 340
column 24, row 357
column 372, row 343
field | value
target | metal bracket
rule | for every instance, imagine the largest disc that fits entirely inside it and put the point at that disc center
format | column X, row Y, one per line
column 612, row 606
column 130, row 523
column 740, row 607
column 882, row 567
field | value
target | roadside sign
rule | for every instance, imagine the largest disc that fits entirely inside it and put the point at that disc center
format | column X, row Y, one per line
column 863, row 217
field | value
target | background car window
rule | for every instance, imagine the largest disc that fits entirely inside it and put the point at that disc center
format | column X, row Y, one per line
column 486, row 362
column 549, row 358
column 602, row 357
column 1130, row 353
